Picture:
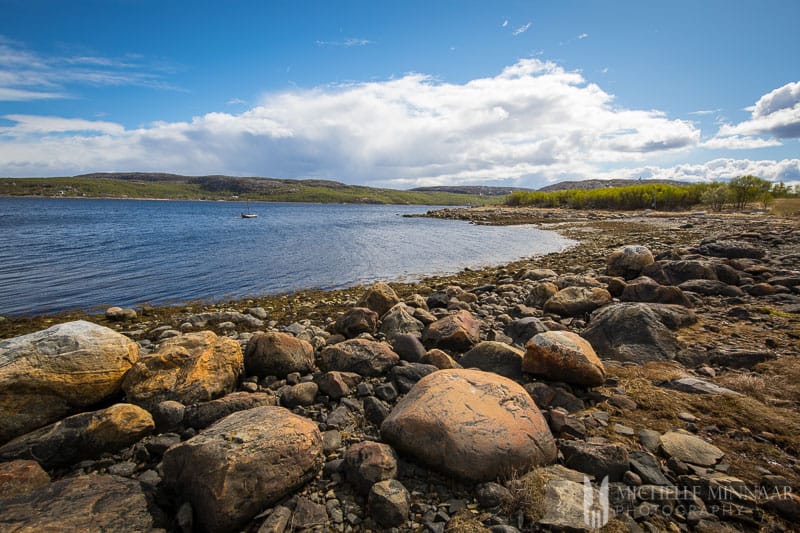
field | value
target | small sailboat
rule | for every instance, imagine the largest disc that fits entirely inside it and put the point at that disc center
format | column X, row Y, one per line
column 249, row 213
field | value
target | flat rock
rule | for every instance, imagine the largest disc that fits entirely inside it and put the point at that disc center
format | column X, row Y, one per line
column 192, row 368
column 599, row 460
column 690, row 449
column 81, row 436
column 699, row 386
column 644, row 289
column 563, row 356
column 242, row 464
column 471, row 424
column 277, row 354
column 49, row 374
column 362, row 356
column 82, row 503
column 497, row 357
column 646, row 465
column 459, row 331
column 731, row 249
column 202, row 415
column 710, row 287
column 637, row 332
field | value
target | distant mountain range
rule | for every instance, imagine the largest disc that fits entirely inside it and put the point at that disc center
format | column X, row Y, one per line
column 601, row 184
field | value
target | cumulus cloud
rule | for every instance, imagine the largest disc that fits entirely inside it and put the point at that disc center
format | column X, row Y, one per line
column 522, row 29
column 531, row 122
column 777, row 113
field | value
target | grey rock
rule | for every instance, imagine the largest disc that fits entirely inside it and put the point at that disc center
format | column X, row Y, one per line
column 710, row 287
column 361, row 356
column 576, row 301
column 399, row 320
column 409, row 348
column 698, row 386
column 356, row 321
column 405, row 375
column 204, row 414
column 300, row 394
column 367, row 463
column 308, row 514
column 389, row 503
column 731, row 249
column 646, row 465
column 690, row 449
column 523, row 329
column 598, row 460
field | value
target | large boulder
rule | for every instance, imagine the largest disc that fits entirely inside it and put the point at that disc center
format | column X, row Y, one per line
column 356, row 321
column 82, row 436
column 362, row 356
column 576, row 301
column 83, row 503
column 628, row 261
column 399, row 320
column 459, row 331
column 563, row 356
column 493, row 356
column 195, row 367
column 49, row 374
column 277, row 354
column 380, row 298
column 637, row 332
column 676, row 272
column 470, row 424
column 242, row 464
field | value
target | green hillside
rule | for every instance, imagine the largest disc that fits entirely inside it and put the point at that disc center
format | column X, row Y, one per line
column 171, row 186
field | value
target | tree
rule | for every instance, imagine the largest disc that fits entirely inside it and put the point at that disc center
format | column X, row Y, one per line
column 715, row 196
column 745, row 189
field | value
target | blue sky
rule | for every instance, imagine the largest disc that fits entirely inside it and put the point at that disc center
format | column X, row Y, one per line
column 402, row 94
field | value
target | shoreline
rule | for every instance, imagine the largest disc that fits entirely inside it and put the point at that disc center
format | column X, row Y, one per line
column 576, row 225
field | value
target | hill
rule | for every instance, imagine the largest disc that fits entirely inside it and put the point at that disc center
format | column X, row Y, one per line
column 602, row 184
column 216, row 187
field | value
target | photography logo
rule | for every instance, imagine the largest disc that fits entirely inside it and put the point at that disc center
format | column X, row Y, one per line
column 595, row 509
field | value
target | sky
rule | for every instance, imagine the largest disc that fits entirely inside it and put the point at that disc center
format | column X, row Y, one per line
column 402, row 94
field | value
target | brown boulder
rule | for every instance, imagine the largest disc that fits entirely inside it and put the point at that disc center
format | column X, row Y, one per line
column 380, row 298
column 204, row 414
column 277, row 354
column 361, row 356
column 576, row 301
column 497, row 357
column 644, row 289
column 471, row 424
column 83, row 503
column 49, row 374
column 195, row 367
column 563, row 356
column 82, row 436
column 439, row 359
column 242, row 464
column 459, row 331
column 356, row 321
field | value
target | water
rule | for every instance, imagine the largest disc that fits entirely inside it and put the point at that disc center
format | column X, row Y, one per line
column 59, row 254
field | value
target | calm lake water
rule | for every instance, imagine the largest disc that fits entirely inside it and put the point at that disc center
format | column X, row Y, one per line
column 60, row 254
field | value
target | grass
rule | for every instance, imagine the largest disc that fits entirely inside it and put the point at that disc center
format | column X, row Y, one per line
column 752, row 433
column 230, row 189
column 786, row 207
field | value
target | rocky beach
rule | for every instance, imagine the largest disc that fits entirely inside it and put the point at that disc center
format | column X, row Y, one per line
column 647, row 379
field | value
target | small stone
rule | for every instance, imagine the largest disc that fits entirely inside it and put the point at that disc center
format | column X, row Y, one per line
column 492, row 494
column 690, row 449
column 308, row 514
column 650, row 439
column 331, row 440
column 623, row 430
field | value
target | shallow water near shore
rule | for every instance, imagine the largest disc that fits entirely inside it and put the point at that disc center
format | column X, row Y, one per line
column 59, row 254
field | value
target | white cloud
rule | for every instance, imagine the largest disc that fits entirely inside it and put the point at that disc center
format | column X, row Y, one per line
column 738, row 142
column 777, row 113
column 787, row 171
column 350, row 41
column 583, row 36
column 504, row 24
column 26, row 75
column 236, row 101
column 36, row 124
column 531, row 122
column 522, row 29
column 703, row 112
